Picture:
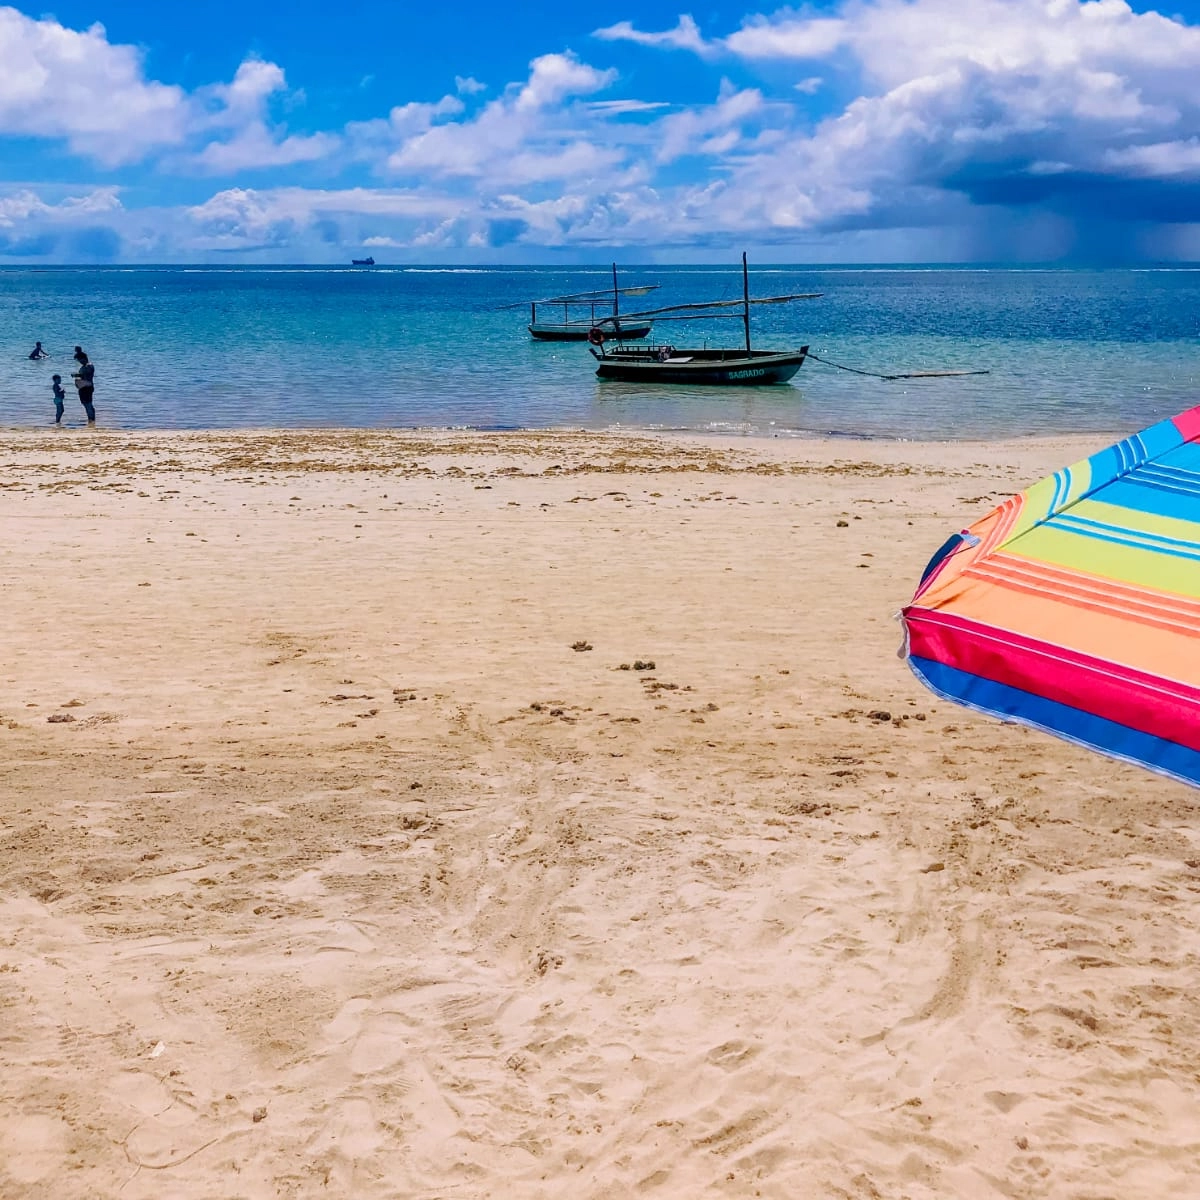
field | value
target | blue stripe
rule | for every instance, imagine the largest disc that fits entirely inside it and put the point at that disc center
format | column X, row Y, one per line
column 948, row 547
column 1180, row 481
column 1155, row 499
column 1169, row 486
column 1117, row 540
column 1185, row 457
column 1056, row 496
column 1113, row 463
column 1085, row 729
column 1151, row 443
column 1137, row 536
column 1161, row 470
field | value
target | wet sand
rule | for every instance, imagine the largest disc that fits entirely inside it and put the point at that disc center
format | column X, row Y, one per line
column 535, row 815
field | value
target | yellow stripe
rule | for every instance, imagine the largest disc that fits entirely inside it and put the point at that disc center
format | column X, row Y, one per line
column 1127, row 564
column 1134, row 518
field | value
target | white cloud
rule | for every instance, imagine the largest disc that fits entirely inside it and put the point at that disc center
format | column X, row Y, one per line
column 60, row 83
column 956, row 96
column 816, row 37
column 714, row 130
column 243, row 219
column 529, row 135
column 964, row 110
column 554, row 77
column 20, row 206
column 254, row 143
column 374, row 141
column 895, row 41
column 617, row 108
column 255, row 210
column 1158, row 160
column 57, row 82
column 407, row 119
column 254, row 81
column 685, row 36
column 255, row 148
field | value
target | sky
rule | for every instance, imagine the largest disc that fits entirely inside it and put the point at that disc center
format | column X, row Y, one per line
column 469, row 132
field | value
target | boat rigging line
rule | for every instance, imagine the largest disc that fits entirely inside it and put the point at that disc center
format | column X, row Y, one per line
column 899, row 375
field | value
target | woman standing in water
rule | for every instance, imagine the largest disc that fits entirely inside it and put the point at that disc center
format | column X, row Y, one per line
column 85, row 381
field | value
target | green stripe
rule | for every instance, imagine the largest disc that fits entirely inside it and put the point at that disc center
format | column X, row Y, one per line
column 1125, row 564
column 1135, row 519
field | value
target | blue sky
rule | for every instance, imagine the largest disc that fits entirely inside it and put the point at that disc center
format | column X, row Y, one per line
column 845, row 130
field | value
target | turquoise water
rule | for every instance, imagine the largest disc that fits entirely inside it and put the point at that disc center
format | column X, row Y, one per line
column 1067, row 350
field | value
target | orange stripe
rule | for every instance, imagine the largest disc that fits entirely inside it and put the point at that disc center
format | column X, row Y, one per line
column 1005, row 518
column 1065, row 577
column 1141, row 614
column 1148, row 647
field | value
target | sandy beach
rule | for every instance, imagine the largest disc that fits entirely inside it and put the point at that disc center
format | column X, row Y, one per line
column 544, row 815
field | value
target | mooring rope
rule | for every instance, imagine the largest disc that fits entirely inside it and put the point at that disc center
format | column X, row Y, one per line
column 903, row 375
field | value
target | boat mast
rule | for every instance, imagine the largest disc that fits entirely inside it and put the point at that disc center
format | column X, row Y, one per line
column 746, row 300
column 616, row 294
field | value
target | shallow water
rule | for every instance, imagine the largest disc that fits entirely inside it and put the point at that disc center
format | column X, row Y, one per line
column 195, row 347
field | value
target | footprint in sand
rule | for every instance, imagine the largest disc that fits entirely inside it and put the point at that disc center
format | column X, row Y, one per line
column 350, row 1133
column 170, row 1130
column 347, row 936
column 43, row 1142
column 383, row 1043
column 731, row 1055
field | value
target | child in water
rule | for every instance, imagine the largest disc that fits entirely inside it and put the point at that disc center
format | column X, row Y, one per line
column 59, row 397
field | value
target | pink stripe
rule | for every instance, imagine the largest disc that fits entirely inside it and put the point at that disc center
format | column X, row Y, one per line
column 1009, row 512
column 1156, row 706
column 1188, row 424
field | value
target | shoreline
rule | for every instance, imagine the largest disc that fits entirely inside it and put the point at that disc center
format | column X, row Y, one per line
column 389, row 812
column 1105, row 437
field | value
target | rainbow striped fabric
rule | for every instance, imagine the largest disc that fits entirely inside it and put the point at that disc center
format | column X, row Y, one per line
column 1075, row 606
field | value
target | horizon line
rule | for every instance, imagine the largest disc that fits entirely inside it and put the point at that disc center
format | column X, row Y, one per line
column 960, row 264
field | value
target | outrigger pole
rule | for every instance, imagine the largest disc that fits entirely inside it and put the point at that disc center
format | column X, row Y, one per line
column 678, row 308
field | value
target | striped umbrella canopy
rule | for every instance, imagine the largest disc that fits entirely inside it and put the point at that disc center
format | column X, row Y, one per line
column 1075, row 606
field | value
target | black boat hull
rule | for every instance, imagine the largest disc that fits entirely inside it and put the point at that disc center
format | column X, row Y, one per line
column 710, row 368
column 549, row 332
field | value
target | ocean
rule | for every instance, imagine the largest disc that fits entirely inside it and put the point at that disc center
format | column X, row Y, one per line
column 1066, row 350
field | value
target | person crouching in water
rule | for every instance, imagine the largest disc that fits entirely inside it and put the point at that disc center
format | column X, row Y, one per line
column 59, row 398
column 85, row 381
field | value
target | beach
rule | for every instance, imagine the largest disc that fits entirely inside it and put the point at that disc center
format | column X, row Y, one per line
column 541, row 814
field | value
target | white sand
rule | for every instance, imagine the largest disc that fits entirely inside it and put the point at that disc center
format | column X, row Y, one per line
column 350, row 877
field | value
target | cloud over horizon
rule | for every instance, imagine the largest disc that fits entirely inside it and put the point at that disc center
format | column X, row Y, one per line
column 989, row 128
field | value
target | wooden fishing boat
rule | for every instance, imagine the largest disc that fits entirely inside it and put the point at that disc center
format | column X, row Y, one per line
column 665, row 364
column 741, row 367
column 582, row 310
column 577, row 331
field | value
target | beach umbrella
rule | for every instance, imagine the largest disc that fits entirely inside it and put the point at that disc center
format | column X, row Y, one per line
column 1075, row 606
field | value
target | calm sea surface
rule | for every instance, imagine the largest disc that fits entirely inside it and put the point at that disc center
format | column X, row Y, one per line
column 1067, row 350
